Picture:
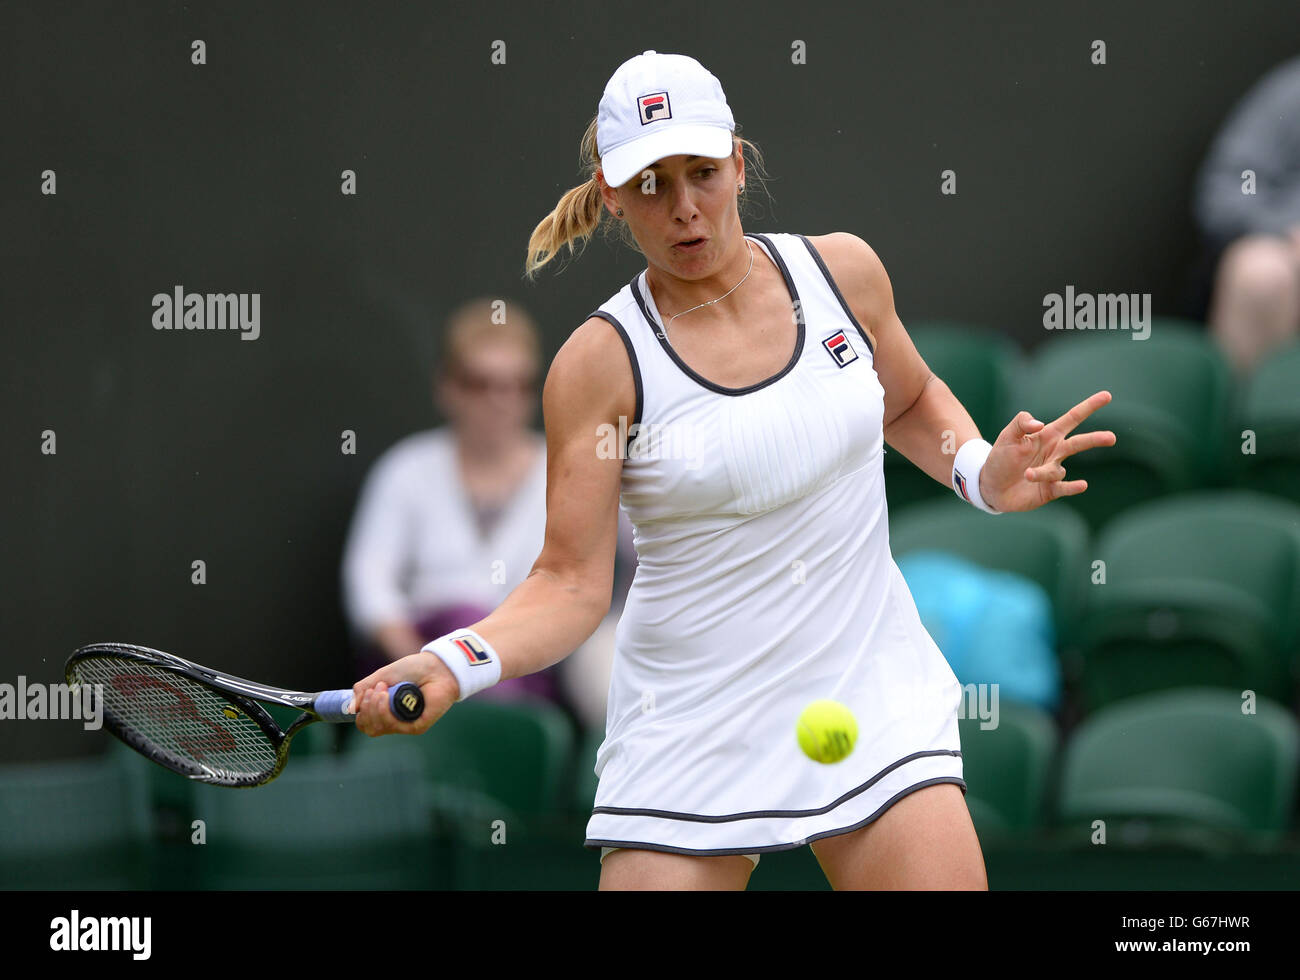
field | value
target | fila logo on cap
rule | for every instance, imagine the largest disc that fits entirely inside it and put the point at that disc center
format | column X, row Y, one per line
column 654, row 106
column 473, row 650
column 838, row 346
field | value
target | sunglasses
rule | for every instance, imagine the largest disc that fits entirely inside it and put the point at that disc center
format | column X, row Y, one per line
column 479, row 384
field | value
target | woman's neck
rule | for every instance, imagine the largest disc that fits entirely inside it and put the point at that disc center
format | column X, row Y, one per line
column 674, row 297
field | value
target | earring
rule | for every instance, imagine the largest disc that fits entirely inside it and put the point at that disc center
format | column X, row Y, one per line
column 619, row 212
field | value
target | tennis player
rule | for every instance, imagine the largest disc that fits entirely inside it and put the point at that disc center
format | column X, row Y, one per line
column 753, row 380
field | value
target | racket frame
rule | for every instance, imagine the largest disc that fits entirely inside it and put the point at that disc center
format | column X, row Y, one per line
column 243, row 695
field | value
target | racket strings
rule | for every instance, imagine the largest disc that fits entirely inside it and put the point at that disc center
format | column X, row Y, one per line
column 178, row 717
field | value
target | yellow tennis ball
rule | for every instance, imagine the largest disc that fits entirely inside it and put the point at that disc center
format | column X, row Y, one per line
column 827, row 731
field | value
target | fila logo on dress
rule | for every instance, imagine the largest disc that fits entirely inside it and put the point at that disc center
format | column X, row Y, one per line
column 838, row 346
column 654, row 106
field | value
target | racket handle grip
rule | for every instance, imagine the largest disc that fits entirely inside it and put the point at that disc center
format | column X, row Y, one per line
column 405, row 700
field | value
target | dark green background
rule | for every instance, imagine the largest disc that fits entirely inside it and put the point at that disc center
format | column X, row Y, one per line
column 174, row 446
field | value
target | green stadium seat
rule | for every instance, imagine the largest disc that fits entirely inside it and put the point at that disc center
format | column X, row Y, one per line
column 340, row 822
column 1169, row 401
column 170, row 794
column 1047, row 546
column 1269, row 406
column 979, row 365
column 172, row 858
column 1183, row 768
column 1201, row 589
column 516, row 752
column 1007, row 769
column 500, row 770
column 78, row 824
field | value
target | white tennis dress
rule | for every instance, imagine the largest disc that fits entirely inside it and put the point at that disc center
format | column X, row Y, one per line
column 764, row 581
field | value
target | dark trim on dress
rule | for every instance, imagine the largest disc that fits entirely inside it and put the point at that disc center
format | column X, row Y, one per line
column 784, row 814
column 595, row 843
column 636, row 373
column 658, row 331
column 836, row 290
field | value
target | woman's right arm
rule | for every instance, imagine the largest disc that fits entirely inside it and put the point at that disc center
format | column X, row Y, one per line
column 567, row 593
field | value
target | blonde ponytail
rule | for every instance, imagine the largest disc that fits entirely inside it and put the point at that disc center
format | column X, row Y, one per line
column 575, row 217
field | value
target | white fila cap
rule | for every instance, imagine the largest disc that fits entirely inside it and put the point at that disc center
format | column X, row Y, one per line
column 656, row 106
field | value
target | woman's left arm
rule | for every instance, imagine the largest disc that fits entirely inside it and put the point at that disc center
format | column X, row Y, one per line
column 923, row 418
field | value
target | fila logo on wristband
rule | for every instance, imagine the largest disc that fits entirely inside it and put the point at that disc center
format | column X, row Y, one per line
column 470, row 658
column 473, row 649
column 966, row 468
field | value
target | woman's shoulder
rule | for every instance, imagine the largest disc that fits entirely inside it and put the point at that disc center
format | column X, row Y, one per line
column 840, row 244
column 593, row 348
column 849, row 258
column 593, row 366
column 842, row 253
column 857, row 272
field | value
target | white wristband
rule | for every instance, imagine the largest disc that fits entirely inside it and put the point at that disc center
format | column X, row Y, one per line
column 469, row 657
column 966, row 472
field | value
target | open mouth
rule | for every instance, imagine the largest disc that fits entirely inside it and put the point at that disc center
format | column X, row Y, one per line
column 692, row 244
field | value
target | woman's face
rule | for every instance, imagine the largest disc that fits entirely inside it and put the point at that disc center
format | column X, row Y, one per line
column 681, row 199
column 490, row 396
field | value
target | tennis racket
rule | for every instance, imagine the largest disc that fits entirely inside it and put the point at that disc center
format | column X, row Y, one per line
column 204, row 724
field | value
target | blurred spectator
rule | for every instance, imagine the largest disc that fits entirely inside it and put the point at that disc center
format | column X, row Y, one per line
column 1252, row 240
column 452, row 518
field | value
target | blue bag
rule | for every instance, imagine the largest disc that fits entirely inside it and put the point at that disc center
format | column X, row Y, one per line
column 994, row 627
